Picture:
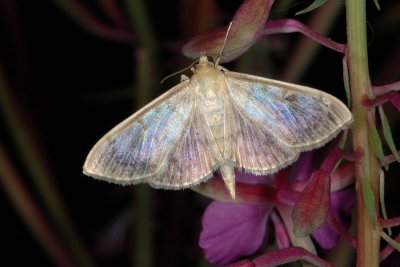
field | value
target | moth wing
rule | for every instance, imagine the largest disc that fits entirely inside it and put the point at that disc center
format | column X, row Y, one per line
column 193, row 158
column 152, row 144
column 303, row 118
column 249, row 144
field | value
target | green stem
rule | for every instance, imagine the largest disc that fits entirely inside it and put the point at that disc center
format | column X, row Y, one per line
column 144, row 88
column 307, row 49
column 142, row 193
column 42, row 177
column 141, row 24
column 146, row 79
column 367, row 168
column 33, row 217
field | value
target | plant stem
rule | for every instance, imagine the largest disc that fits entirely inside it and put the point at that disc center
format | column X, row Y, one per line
column 146, row 76
column 35, row 163
column 307, row 49
column 367, row 168
column 33, row 217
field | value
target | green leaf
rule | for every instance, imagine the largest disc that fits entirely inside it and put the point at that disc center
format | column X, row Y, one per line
column 369, row 201
column 387, row 133
column 391, row 241
column 377, row 146
column 346, row 81
column 382, row 197
column 316, row 4
column 377, row 5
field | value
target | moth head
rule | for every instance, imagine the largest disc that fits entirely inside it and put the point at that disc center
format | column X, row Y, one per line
column 205, row 59
column 204, row 62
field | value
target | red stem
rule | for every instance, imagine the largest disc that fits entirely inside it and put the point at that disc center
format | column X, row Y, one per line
column 292, row 25
column 287, row 255
column 113, row 11
column 331, row 160
column 282, row 256
column 342, row 230
column 392, row 96
column 392, row 222
column 391, row 158
column 383, row 89
column 87, row 20
column 31, row 214
column 388, row 250
column 353, row 156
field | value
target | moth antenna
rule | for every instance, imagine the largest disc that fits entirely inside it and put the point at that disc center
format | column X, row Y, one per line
column 223, row 46
column 179, row 71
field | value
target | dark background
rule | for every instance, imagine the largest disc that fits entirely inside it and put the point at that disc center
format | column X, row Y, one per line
column 69, row 86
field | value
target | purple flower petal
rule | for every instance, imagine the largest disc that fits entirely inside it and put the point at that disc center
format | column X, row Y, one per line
column 326, row 236
column 303, row 167
column 249, row 178
column 232, row 230
column 342, row 204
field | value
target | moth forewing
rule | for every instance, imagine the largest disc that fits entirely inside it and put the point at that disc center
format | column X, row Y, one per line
column 102, row 161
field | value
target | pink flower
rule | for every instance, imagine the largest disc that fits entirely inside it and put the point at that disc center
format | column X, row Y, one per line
column 233, row 230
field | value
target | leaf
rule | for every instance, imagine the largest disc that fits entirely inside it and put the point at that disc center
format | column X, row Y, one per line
column 311, row 208
column 288, row 255
column 346, row 80
column 382, row 197
column 377, row 5
column 369, row 201
column 391, row 241
column 387, row 133
column 247, row 26
column 377, row 146
column 394, row 244
column 316, row 4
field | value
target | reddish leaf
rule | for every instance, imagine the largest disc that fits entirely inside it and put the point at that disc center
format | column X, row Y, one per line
column 292, row 254
column 243, row 263
column 311, row 209
column 247, row 26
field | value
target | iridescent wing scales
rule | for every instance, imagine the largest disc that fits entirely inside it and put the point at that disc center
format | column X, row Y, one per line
column 249, row 144
column 300, row 117
column 193, row 158
column 154, row 143
column 268, row 123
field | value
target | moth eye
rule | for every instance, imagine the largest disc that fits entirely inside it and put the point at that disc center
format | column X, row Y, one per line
column 210, row 59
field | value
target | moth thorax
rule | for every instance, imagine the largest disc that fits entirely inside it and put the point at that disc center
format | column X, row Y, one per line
column 207, row 72
column 209, row 87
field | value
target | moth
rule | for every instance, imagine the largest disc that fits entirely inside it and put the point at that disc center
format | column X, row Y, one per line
column 217, row 120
